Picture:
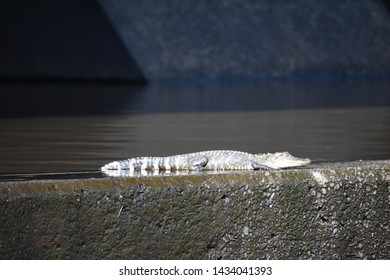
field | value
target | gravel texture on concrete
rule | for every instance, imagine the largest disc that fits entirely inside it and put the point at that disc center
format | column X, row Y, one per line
column 322, row 211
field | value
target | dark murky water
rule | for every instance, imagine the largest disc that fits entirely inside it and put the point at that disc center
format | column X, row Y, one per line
column 78, row 128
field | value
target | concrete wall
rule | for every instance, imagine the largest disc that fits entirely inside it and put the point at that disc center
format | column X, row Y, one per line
column 254, row 40
column 324, row 211
column 183, row 40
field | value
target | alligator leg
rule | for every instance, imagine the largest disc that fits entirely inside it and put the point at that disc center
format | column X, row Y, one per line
column 197, row 163
column 257, row 166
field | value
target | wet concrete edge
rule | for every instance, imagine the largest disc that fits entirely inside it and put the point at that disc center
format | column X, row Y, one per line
column 323, row 211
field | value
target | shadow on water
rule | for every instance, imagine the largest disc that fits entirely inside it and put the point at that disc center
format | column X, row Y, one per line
column 83, row 99
column 61, row 128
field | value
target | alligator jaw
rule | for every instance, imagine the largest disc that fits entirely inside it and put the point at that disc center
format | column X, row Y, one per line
column 294, row 162
column 284, row 160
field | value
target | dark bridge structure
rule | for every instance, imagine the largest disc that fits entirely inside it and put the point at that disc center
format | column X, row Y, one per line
column 182, row 41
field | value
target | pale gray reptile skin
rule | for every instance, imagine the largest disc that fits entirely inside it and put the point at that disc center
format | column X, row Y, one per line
column 209, row 160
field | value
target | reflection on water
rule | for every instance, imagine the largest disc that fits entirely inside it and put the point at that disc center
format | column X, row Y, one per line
column 166, row 173
column 150, row 173
column 327, row 122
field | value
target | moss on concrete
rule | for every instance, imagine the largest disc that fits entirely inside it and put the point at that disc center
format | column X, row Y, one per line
column 324, row 211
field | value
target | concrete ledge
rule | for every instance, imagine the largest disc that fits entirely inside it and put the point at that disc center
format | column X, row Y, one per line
column 325, row 211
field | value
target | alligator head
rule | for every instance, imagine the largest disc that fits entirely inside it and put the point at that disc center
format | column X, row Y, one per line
column 282, row 160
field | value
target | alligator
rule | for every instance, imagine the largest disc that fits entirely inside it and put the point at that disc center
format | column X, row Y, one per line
column 209, row 160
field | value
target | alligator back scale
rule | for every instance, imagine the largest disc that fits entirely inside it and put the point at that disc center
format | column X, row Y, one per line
column 208, row 160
